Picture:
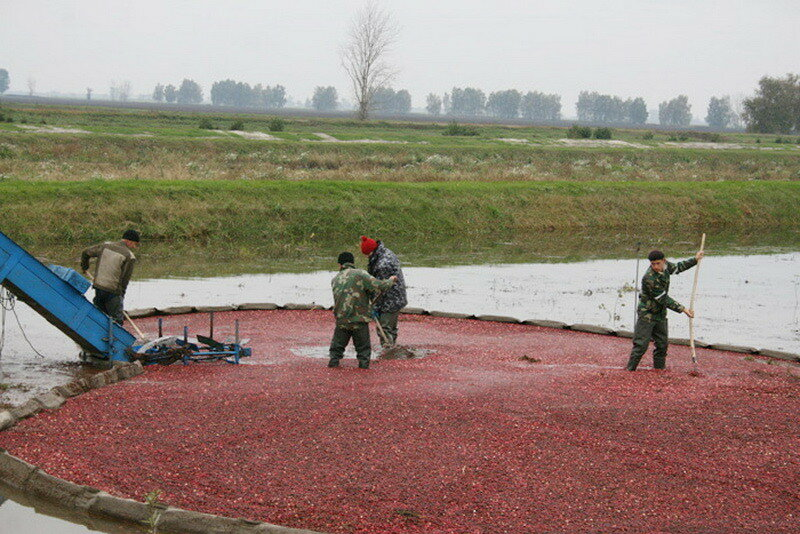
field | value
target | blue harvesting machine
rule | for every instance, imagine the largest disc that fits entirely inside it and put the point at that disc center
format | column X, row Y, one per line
column 54, row 293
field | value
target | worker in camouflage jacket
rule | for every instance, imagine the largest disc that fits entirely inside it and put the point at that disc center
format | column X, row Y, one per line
column 112, row 273
column 353, row 292
column 654, row 301
column 383, row 263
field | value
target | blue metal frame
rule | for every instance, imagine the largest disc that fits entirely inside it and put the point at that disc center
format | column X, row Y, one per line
column 60, row 303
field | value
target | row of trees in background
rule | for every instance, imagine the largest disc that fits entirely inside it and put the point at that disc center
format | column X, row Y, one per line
column 189, row 92
column 507, row 104
column 596, row 107
column 233, row 93
column 387, row 100
column 775, row 108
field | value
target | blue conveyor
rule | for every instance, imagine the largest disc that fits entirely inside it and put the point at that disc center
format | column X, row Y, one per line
column 61, row 304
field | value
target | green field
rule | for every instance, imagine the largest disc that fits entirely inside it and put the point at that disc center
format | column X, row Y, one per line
column 138, row 144
column 238, row 204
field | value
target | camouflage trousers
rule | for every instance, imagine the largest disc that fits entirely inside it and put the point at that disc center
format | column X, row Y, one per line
column 642, row 334
column 109, row 303
column 341, row 337
column 388, row 322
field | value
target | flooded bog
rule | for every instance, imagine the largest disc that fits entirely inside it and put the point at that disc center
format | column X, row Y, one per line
column 504, row 428
column 499, row 428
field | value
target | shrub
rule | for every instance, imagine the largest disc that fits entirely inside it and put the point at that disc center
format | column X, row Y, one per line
column 5, row 152
column 238, row 126
column 602, row 133
column 579, row 132
column 779, row 140
column 459, row 129
column 276, row 124
column 648, row 136
column 206, row 124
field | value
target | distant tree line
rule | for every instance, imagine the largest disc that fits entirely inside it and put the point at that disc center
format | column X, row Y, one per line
column 596, row 107
column 189, row 92
column 387, row 100
column 775, row 107
column 505, row 104
column 240, row 94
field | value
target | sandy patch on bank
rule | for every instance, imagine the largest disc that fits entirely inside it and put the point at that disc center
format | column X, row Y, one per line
column 261, row 136
column 327, row 138
column 513, row 140
column 51, row 129
column 59, row 130
column 600, row 143
column 710, row 146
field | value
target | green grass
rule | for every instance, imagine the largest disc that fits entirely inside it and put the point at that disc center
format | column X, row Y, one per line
column 63, row 157
column 296, row 220
column 157, row 145
column 209, row 201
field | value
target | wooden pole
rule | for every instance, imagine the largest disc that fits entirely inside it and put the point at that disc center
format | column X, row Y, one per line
column 691, row 302
column 636, row 287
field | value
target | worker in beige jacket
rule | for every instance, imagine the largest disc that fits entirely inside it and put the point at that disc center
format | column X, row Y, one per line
column 113, row 270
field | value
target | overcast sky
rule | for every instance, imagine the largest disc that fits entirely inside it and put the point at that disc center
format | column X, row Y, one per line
column 651, row 48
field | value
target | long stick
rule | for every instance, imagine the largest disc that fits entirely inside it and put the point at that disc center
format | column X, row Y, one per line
column 691, row 302
column 378, row 327
column 382, row 334
column 636, row 287
column 128, row 317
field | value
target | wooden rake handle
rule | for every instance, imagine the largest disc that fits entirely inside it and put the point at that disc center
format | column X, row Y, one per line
column 691, row 301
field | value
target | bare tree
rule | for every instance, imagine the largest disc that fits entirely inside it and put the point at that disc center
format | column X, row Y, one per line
column 372, row 33
column 124, row 91
column 31, row 86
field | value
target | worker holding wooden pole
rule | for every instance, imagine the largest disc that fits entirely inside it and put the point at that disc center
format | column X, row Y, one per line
column 653, row 304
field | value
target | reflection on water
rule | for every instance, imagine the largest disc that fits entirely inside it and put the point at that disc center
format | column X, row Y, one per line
column 163, row 260
column 23, row 520
column 19, row 514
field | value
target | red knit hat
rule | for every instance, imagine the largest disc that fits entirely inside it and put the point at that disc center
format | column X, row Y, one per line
column 368, row 245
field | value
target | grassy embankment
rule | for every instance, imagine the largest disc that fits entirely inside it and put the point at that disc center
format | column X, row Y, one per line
column 215, row 202
column 147, row 145
column 256, row 224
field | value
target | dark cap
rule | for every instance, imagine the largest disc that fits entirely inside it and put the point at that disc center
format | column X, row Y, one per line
column 655, row 255
column 131, row 235
column 346, row 257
